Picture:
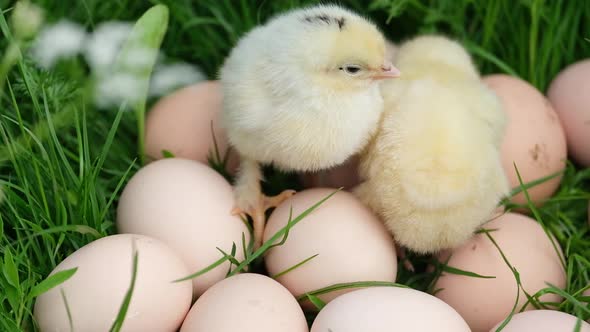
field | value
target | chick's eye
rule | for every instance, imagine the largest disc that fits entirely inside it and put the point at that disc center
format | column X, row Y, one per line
column 351, row 69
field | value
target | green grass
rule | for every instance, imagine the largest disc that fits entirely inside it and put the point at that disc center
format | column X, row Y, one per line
column 63, row 163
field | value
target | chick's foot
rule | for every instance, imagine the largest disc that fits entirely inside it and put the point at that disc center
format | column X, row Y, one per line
column 257, row 212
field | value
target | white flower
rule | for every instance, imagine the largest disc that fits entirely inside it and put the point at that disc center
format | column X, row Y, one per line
column 167, row 78
column 116, row 89
column 61, row 40
column 103, row 46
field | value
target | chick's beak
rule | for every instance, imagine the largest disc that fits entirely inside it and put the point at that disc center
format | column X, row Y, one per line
column 387, row 70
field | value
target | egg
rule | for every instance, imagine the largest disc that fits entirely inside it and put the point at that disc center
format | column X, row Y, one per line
column 351, row 243
column 573, row 108
column 246, row 302
column 184, row 123
column 542, row 321
column 534, row 139
column 187, row 205
column 483, row 301
column 95, row 292
column 385, row 309
column 344, row 175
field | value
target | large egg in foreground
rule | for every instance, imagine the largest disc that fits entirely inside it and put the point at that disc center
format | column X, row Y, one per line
column 387, row 309
column 96, row 291
column 542, row 321
column 246, row 302
column 350, row 242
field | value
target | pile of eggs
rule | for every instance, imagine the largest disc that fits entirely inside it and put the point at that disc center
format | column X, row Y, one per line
column 174, row 214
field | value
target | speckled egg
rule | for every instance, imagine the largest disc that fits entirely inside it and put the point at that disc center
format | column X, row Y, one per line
column 186, row 122
column 350, row 242
column 569, row 95
column 187, row 205
column 388, row 309
column 542, row 321
column 96, row 291
column 534, row 139
column 247, row 303
column 483, row 302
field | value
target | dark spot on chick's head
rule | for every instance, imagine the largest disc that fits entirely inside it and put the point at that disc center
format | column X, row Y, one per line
column 325, row 19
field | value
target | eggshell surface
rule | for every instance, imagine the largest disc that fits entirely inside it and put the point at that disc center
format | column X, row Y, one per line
column 542, row 321
column 483, row 302
column 569, row 95
column 386, row 309
column 351, row 244
column 534, row 139
column 184, row 123
column 247, row 303
column 187, row 205
column 96, row 291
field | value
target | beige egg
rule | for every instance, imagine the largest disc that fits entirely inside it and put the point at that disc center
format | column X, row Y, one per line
column 95, row 292
column 387, row 309
column 485, row 302
column 185, row 123
column 344, row 175
column 187, row 205
column 247, row 303
column 542, row 321
column 534, row 138
column 351, row 243
column 573, row 108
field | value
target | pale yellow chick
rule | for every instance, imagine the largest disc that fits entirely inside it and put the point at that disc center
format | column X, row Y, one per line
column 433, row 170
column 301, row 92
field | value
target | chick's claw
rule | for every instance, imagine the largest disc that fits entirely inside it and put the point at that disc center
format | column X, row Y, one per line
column 257, row 212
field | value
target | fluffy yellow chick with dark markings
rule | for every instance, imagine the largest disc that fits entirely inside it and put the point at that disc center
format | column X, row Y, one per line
column 301, row 92
column 433, row 170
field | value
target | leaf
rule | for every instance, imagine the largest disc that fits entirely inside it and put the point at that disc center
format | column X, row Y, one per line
column 167, row 154
column 454, row 270
column 118, row 323
column 145, row 37
column 10, row 271
column 294, row 266
column 52, row 281
column 356, row 284
column 317, row 302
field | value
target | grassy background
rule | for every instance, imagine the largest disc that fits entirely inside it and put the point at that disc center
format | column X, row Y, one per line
column 63, row 163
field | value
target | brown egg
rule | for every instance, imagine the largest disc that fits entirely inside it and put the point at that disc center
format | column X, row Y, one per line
column 344, row 175
column 542, row 321
column 484, row 302
column 534, row 139
column 573, row 108
column 96, row 291
column 182, row 124
column 246, row 302
column 351, row 243
column 188, row 206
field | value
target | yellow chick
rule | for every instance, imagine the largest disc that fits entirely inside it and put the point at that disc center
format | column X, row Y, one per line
column 301, row 93
column 433, row 170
